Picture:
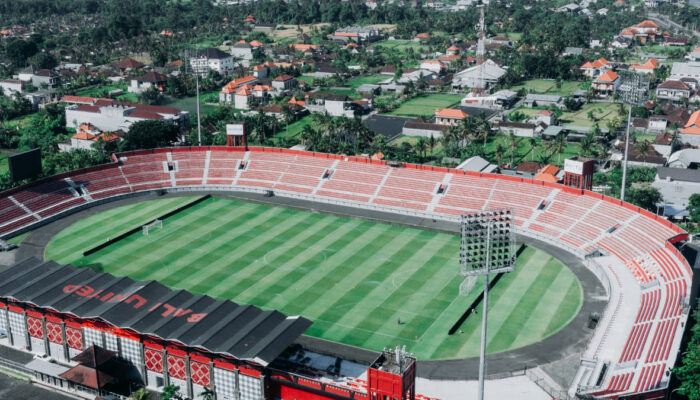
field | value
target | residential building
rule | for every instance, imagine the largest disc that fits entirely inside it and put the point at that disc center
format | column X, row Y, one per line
column 522, row 129
column 249, row 96
column 11, row 86
column 334, row 104
column 212, row 59
column 647, row 68
column 87, row 135
column 242, row 53
column 449, row 116
column 645, row 30
column 606, row 84
column 543, row 100
column 664, row 144
column 356, row 34
column 435, row 66
column 421, row 127
column 685, row 70
column 46, row 78
column 690, row 134
column 472, row 77
column 694, row 55
column 686, row 158
column 284, row 83
column 673, row 90
column 572, row 51
column 501, row 99
column 229, row 90
column 676, row 185
column 416, row 75
column 109, row 115
column 545, row 116
column 453, row 50
column 594, row 69
column 128, row 64
column 262, row 71
column 150, row 80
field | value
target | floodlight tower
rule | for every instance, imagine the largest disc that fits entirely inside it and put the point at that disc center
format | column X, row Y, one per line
column 481, row 49
column 196, row 77
column 632, row 89
column 487, row 247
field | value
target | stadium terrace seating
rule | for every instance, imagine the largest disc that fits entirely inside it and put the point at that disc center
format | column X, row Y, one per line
column 581, row 222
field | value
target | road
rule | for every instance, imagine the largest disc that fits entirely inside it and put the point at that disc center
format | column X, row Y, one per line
column 667, row 23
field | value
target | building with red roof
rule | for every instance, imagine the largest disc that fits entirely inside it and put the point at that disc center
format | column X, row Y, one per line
column 449, row 116
column 107, row 115
column 607, row 83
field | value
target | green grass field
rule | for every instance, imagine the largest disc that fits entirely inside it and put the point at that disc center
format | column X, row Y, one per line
column 602, row 112
column 369, row 79
column 353, row 278
column 4, row 166
column 545, row 86
column 295, row 128
column 426, row 105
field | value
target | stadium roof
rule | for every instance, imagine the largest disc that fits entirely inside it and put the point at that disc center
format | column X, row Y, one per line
column 148, row 307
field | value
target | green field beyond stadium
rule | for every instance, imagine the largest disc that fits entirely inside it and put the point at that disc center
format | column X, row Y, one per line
column 355, row 279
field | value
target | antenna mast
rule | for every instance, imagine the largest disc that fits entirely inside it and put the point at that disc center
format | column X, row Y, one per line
column 481, row 51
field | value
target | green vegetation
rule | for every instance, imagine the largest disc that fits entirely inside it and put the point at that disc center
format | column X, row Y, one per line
column 369, row 80
column 689, row 370
column 425, row 105
column 548, row 86
column 353, row 278
column 400, row 44
column 3, row 163
column 295, row 128
column 17, row 239
column 602, row 114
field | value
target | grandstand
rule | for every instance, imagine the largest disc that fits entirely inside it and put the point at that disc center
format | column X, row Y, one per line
column 630, row 250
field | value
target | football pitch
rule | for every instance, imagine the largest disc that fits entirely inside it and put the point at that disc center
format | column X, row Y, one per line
column 354, row 279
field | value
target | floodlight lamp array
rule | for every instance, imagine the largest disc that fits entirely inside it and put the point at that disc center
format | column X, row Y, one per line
column 488, row 242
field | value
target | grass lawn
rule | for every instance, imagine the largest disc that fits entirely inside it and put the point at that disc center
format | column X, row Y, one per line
column 399, row 44
column 524, row 151
column 307, row 79
column 4, row 167
column 370, row 80
column 545, row 86
column 354, row 279
column 511, row 35
column 190, row 104
column 412, row 140
column 426, row 105
column 603, row 112
column 20, row 122
column 295, row 128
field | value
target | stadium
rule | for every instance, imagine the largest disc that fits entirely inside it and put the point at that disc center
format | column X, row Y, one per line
column 363, row 254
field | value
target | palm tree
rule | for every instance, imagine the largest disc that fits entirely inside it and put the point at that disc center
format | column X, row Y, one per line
column 533, row 144
column 644, row 148
column 207, row 394
column 499, row 153
column 558, row 145
column 141, row 394
column 421, row 146
column 512, row 145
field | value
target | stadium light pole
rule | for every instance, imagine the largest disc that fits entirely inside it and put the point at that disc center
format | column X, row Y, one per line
column 632, row 89
column 487, row 247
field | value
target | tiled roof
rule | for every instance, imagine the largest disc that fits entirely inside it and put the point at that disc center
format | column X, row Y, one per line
column 609, row 76
column 450, row 113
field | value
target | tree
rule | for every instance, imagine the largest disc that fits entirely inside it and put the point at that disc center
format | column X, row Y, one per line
column 150, row 96
column 150, row 134
column 18, row 51
column 689, row 370
column 171, row 392
column 141, row 394
column 43, row 60
column 645, row 196
column 207, row 394
column 694, row 207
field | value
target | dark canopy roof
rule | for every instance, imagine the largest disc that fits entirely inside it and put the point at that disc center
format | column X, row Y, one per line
column 94, row 356
column 148, row 307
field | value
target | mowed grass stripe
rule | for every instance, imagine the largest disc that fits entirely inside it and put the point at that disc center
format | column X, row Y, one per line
column 410, row 301
column 155, row 255
column 246, row 255
column 504, row 336
column 249, row 275
column 324, row 276
column 546, row 306
column 352, row 278
column 568, row 307
column 70, row 243
column 345, row 303
column 299, row 265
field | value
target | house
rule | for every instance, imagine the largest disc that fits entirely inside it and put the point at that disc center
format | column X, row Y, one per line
column 676, row 185
column 336, row 105
column 690, row 134
column 501, row 40
column 694, row 55
column 569, row 8
column 421, row 36
column 304, row 48
column 421, row 127
column 248, row 96
column 502, row 99
column 435, row 66
column 647, row 68
column 109, row 115
column 543, row 100
column 472, row 77
column 150, row 80
column 620, row 42
column 545, row 116
column 548, row 173
column 664, row 144
column 241, row 53
column 324, row 71
column 477, row 164
column 446, row 60
column 128, row 64
column 673, row 90
column 643, row 31
column 356, row 34
column 606, row 84
column 388, row 70
column 595, row 41
column 453, row 50
column 264, row 70
column 686, row 158
column 521, row 129
column 46, row 78
column 594, row 69
column 527, row 169
column 229, row 90
column 676, row 41
column 572, row 51
column 449, row 116
column 685, row 70
column 416, row 75
column 284, row 82
column 11, row 86
column 87, row 135
column 212, row 59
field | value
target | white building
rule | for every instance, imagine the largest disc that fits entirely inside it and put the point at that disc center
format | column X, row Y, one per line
column 108, row 115
column 211, row 59
column 685, row 70
column 435, row 66
column 472, row 77
column 11, row 86
column 242, row 52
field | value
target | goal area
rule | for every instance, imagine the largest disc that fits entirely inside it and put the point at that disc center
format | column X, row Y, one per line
column 156, row 224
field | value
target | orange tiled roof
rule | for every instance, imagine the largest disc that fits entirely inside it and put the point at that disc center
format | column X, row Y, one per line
column 694, row 120
column 652, row 63
column 647, row 24
column 450, row 113
column 82, row 135
column 453, row 48
column 423, row 36
column 346, row 34
column 106, row 137
column 609, row 76
column 297, row 102
column 255, row 43
column 303, row 47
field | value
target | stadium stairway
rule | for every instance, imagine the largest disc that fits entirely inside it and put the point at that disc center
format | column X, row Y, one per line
column 647, row 279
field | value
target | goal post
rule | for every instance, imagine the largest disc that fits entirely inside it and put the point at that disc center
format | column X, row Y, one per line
column 156, row 224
